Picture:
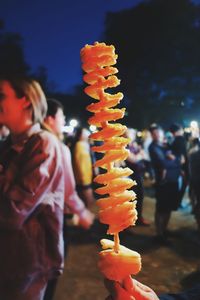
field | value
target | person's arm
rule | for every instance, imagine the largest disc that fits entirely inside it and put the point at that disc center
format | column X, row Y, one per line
column 72, row 200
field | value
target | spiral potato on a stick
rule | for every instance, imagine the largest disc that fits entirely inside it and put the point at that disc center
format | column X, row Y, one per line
column 118, row 206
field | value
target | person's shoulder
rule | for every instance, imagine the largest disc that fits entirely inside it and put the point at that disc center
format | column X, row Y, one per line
column 65, row 149
column 46, row 140
column 48, row 136
column 150, row 145
column 153, row 145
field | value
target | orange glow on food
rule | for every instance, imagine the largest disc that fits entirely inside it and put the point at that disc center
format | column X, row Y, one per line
column 118, row 206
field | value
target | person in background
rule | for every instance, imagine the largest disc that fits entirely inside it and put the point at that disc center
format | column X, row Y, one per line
column 32, row 194
column 54, row 122
column 167, row 168
column 135, row 161
column 82, row 165
column 194, row 146
column 4, row 133
column 179, row 149
column 194, row 183
column 132, row 289
column 146, row 141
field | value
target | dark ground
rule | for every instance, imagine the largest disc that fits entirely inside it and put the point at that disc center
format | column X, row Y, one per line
column 165, row 269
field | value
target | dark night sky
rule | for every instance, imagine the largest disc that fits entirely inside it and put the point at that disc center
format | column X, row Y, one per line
column 54, row 31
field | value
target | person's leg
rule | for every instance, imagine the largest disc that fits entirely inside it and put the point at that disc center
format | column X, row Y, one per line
column 34, row 291
column 161, row 222
column 65, row 234
column 139, row 190
column 162, row 213
column 50, row 290
column 197, row 206
column 87, row 195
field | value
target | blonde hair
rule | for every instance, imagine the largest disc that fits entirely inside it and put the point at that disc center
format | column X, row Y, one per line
column 34, row 93
column 31, row 89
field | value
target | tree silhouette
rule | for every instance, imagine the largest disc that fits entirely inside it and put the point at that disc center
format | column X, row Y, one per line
column 158, row 47
column 12, row 59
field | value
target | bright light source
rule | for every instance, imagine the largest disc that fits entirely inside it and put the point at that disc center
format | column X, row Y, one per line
column 73, row 122
column 93, row 128
column 68, row 129
column 187, row 129
column 194, row 129
column 194, row 124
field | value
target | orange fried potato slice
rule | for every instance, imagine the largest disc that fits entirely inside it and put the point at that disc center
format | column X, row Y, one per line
column 119, row 217
column 114, row 200
column 93, row 76
column 112, row 174
column 118, row 265
column 112, row 144
column 109, row 131
column 118, row 185
column 110, row 114
column 112, row 155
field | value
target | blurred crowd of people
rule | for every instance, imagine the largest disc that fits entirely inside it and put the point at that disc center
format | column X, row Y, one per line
column 167, row 159
column 38, row 191
column 46, row 177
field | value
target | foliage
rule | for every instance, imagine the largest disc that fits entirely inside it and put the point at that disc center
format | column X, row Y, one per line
column 158, row 47
column 11, row 53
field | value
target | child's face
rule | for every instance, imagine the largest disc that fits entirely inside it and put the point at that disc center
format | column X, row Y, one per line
column 59, row 121
column 11, row 107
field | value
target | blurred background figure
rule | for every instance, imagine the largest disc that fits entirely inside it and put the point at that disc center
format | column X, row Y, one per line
column 135, row 162
column 179, row 149
column 55, row 118
column 146, row 141
column 54, row 122
column 194, row 182
column 148, row 174
column 4, row 133
column 167, row 168
column 82, row 165
column 32, row 194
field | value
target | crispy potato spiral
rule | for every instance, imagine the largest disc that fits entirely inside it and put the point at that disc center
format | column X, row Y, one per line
column 117, row 208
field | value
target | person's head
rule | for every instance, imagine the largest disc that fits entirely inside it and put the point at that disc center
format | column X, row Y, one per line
column 176, row 129
column 4, row 132
column 131, row 133
column 55, row 118
column 81, row 134
column 157, row 133
column 21, row 101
